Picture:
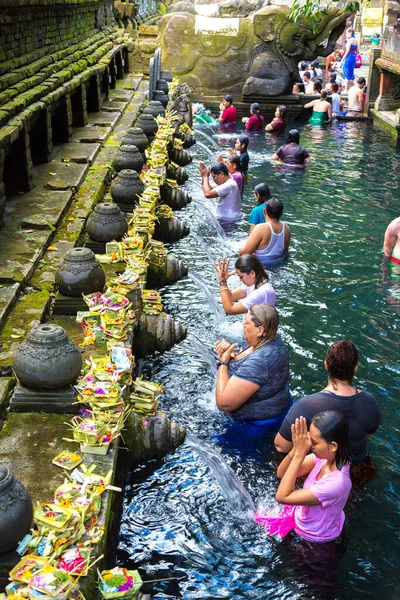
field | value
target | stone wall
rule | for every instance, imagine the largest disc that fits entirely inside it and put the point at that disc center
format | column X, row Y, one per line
column 58, row 60
column 28, row 26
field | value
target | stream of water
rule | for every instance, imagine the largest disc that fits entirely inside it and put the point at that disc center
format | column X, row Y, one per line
column 186, row 516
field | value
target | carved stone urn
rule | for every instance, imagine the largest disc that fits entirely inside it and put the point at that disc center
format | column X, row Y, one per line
column 47, row 359
column 106, row 223
column 126, row 187
column 161, row 96
column 149, row 125
column 80, row 273
column 166, row 75
column 162, row 85
column 135, row 137
column 180, row 174
column 128, row 157
column 154, row 108
column 15, row 510
column 176, row 198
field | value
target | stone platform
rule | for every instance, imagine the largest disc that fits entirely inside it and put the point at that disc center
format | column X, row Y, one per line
column 28, row 444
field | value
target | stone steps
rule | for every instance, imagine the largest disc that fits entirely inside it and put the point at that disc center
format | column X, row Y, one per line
column 77, row 176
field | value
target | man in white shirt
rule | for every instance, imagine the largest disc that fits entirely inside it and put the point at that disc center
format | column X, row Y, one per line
column 229, row 204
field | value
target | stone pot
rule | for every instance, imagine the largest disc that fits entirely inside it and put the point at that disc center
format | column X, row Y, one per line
column 80, row 273
column 154, row 108
column 47, row 359
column 135, row 137
column 157, row 333
column 126, row 187
column 148, row 438
column 166, row 75
column 180, row 157
column 16, row 510
column 128, row 157
column 162, row 85
column 148, row 124
column 188, row 139
column 106, row 223
column 162, row 97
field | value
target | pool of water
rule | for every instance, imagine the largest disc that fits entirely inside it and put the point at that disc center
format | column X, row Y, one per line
column 177, row 521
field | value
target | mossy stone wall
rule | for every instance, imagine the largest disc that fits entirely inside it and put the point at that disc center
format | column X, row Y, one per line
column 29, row 25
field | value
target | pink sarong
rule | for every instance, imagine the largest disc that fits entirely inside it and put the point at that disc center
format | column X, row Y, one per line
column 279, row 526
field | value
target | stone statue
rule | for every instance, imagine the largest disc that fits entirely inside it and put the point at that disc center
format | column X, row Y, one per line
column 251, row 57
column 181, row 103
column 226, row 8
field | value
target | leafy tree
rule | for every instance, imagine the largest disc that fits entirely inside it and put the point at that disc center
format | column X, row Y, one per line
column 312, row 11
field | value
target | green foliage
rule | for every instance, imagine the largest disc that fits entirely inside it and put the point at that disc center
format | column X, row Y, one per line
column 162, row 8
column 312, row 11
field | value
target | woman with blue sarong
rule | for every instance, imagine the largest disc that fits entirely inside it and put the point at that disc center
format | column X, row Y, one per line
column 349, row 58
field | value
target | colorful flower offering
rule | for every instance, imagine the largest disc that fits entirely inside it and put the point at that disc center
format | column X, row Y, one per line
column 67, row 460
column 119, row 583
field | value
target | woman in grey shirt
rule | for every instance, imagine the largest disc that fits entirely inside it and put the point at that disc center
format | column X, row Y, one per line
column 254, row 384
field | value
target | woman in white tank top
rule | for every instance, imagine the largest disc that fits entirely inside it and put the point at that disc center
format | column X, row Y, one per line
column 270, row 240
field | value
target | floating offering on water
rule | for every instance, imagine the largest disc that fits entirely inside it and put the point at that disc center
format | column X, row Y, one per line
column 119, row 583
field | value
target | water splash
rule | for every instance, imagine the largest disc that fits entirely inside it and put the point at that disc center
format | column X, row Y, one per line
column 209, row 138
column 232, row 488
column 204, row 352
column 215, row 307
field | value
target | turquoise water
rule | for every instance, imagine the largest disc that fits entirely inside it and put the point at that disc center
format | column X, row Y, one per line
column 176, row 521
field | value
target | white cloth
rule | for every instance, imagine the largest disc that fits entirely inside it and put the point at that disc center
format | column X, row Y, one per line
column 265, row 294
column 229, row 202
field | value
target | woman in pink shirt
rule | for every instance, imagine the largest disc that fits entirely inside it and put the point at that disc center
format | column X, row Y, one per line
column 315, row 513
column 255, row 123
column 233, row 164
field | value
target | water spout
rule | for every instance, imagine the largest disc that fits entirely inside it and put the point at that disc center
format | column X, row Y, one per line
column 204, row 247
column 209, row 138
column 207, row 149
column 231, row 487
column 204, row 352
column 212, row 220
column 215, row 307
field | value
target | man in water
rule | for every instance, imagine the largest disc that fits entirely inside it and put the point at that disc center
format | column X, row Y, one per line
column 391, row 245
column 229, row 204
column 355, row 96
column 228, row 111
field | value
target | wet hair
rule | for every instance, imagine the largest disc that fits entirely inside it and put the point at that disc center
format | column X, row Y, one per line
column 300, row 85
column 315, row 63
column 282, row 111
column 255, row 107
column 248, row 263
column 334, row 427
column 324, row 94
column 341, row 361
column 228, row 98
column 234, row 160
column 293, row 137
column 219, row 168
column 263, row 191
column 307, row 74
column 317, row 86
column 303, row 66
column 244, row 141
column 361, row 80
column 274, row 208
column 335, row 87
column 350, row 30
column 266, row 316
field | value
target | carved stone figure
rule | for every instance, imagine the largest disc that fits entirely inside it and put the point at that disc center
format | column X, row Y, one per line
column 250, row 57
column 226, row 8
column 182, row 104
